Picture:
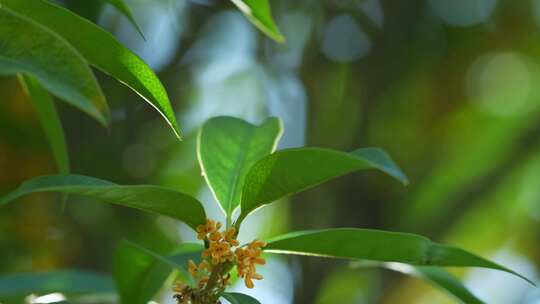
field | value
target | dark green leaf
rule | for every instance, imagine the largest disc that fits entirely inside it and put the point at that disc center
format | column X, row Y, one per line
column 227, row 147
column 148, row 198
column 258, row 12
column 138, row 275
column 30, row 48
column 50, row 122
column 110, row 56
column 239, row 298
column 376, row 245
column 14, row 287
column 122, row 7
column 291, row 171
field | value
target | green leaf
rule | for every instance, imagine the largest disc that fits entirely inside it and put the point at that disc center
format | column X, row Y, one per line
column 110, row 56
column 138, row 275
column 290, row 171
column 445, row 280
column 30, row 48
column 436, row 276
column 124, row 9
column 184, row 252
column 258, row 12
column 179, row 256
column 50, row 122
column 15, row 287
column 239, row 298
column 148, row 198
column 227, row 147
column 176, row 259
column 377, row 245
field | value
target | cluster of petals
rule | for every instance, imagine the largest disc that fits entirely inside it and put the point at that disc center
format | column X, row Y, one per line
column 220, row 246
column 222, row 251
column 210, row 227
column 246, row 261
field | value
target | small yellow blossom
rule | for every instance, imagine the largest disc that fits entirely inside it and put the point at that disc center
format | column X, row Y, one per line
column 230, row 236
column 204, row 266
column 219, row 252
column 215, row 236
column 192, row 268
column 246, row 261
column 208, row 228
column 178, row 286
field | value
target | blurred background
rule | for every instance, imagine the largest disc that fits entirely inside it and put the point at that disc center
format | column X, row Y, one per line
column 450, row 88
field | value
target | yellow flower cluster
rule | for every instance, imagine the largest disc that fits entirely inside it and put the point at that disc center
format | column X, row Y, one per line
column 221, row 254
column 220, row 250
column 246, row 261
column 220, row 244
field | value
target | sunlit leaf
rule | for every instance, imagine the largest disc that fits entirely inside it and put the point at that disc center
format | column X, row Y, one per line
column 15, row 287
column 50, row 122
column 377, row 245
column 258, row 12
column 30, row 48
column 138, row 275
column 148, row 198
column 437, row 276
column 102, row 50
column 239, row 298
column 124, row 9
column 227, row 148
column 290, row 171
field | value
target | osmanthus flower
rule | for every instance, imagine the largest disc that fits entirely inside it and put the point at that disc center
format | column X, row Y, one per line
column 246, row 261
column 204, row 230
column 219, row 252
column 222, row 252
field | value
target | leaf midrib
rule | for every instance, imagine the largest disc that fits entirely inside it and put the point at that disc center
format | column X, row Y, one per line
column 240, row 160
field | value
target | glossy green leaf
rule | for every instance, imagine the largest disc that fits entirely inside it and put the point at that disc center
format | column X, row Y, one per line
column 377, row 245
column 290, row 171
column 14, row 287
column 138, row 275
column 227, row 147
column 30, row 48
column 148, row 198
column 50, row 122
column 437, row 276
column 124, row 9
column 111, row 56
column 239, row 298
column 258, row 12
